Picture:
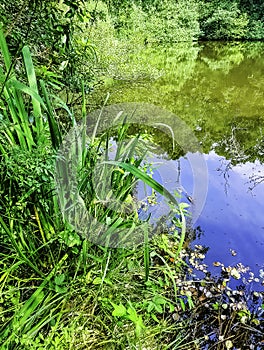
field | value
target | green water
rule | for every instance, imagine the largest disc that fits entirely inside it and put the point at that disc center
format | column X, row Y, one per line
column 216, row 88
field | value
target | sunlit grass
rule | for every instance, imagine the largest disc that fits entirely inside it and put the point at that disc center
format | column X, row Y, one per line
column 54, row 282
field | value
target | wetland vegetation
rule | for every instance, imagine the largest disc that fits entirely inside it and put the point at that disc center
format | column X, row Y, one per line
column 82, row 265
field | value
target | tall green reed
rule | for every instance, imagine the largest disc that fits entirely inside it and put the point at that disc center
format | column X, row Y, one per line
column 28, row 121
column 38, row 244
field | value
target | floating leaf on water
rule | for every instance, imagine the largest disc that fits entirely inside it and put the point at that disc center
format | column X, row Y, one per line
column 234, row 273
column 228, row 344
column 233, row 252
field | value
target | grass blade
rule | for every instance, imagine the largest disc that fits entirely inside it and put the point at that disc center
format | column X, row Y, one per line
column 20, row 319
column 27, row 90
column 99, row 118
column 4, row 50
column 145, row 178
column 146, row 255
column 183, row 233
column 55, row 133
column 34, row 86
column 17, row 248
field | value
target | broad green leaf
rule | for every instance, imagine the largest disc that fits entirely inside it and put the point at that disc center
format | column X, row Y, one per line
column 59, row 280
column 97, row 280
column 119, row 310
column 33, row 84
column 55, row 133
column 27, row 90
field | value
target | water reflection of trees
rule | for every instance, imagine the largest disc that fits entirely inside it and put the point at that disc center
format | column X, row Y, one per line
column 223, row 57
column 255, row 180
column 216, row 88
column 224, row 169
column 226, row 55
column 242, row 142
column 239, row 146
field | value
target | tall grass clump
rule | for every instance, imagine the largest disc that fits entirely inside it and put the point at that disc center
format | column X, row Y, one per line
column 58, row 289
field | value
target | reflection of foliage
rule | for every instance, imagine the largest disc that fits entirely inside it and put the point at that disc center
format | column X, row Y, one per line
column 177, row 64
column 258, row 149
column 232, row 147
column 169, row 66
column 255, row 180
column 129, row 60
column 224, row 169
column 223, row 57
column 241, row 142
column 213, row 102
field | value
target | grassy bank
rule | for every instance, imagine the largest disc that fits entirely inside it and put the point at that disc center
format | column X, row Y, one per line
column 59, row 290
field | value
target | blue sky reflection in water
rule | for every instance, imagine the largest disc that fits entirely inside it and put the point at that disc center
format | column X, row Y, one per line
column 232, row 219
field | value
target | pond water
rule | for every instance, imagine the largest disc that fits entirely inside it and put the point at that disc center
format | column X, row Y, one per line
column 217, row 89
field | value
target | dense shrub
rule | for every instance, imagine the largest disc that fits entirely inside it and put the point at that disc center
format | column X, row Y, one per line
column 222, row 20
column 255, row 12
column 182, row 20
column 175, row 22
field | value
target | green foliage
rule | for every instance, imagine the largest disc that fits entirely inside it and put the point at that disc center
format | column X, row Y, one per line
column 174, row 22
column 29, row 135
column 68, row 38
column 58, row 32
column 73, row 41
column 170, row 21
column 222, row 20
column 166, row 22
column 255, row 12
column 131, row 314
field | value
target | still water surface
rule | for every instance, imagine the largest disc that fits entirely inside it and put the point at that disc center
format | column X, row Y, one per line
column 218, row 90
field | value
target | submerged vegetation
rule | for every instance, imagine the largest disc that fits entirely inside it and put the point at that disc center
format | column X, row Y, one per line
column 64, row 286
